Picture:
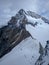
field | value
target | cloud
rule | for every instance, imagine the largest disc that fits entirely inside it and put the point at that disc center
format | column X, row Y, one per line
column 9, row 8
column 43, row 8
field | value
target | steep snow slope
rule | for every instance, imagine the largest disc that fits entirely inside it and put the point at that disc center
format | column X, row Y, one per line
column 40, row 31
column 26, row 53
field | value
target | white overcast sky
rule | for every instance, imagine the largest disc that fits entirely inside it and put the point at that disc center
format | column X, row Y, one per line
column 9, row 8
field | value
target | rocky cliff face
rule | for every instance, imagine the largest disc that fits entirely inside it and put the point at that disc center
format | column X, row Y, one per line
column 12, row 34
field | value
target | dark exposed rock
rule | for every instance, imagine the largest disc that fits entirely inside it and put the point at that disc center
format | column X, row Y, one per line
column 45, row 20
column 21, row 12
column 11, row 35
column 41, row 60
column 41, row 49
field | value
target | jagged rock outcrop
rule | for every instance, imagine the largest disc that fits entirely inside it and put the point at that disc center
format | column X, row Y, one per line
column 41, row 49
column 44, row 58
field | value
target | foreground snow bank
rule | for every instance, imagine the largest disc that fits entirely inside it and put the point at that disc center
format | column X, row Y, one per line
column 26, row 53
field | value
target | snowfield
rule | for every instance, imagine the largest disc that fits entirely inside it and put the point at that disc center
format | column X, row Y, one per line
column 26, row 53
column 40, row 31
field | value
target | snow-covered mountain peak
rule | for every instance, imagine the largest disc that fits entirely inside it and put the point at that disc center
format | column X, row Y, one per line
column 28, row 17
column 20, row 27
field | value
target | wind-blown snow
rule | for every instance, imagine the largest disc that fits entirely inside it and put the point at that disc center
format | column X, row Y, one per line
column 40, row 31
column 34, row 20
column 26, row 53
